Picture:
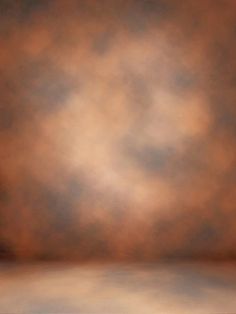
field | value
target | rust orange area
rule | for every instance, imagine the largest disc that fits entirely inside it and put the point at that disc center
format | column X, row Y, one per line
column 117, row 129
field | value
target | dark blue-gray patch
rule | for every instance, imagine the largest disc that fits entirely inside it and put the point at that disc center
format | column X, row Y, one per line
column 193, row 282
column 142, row 12
column 28, row 7
column 61, row 234
column 185, row 167
column 225, row 116
column 199, row 245
column 59, row 205
column 183, row 80
column 14, row 13
column 150, row 158
column 190, row 285
column 46, row 85
column 7, row 7
column 103, row 42
column 8, row 117
column 205, row 235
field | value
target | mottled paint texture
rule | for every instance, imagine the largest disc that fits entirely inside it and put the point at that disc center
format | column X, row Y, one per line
column 117, row 129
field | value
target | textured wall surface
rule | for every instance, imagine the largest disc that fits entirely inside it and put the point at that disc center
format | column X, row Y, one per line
column 117, row 129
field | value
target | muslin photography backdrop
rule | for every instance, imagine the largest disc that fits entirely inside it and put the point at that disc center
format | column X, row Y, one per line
column 117, row 131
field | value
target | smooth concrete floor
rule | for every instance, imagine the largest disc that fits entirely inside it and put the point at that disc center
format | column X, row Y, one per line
column 118, row 289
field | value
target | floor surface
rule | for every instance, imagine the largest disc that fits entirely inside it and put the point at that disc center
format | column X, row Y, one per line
column 118, row 289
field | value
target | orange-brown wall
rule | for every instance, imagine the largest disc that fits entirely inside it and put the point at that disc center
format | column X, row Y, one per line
column 117, row 129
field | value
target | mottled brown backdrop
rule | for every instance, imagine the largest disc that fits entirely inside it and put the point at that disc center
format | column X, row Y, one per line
column 117, row 129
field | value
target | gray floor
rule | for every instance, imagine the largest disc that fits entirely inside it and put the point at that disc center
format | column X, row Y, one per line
column 121, row 289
